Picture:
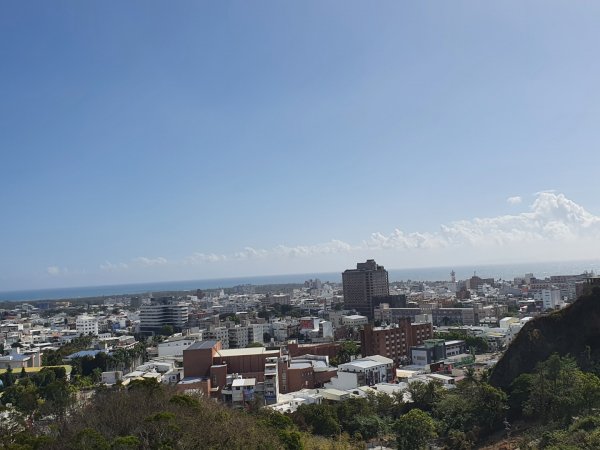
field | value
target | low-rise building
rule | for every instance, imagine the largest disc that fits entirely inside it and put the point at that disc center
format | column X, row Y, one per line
column 86, row 325
column 394, row 341
column 363, row 372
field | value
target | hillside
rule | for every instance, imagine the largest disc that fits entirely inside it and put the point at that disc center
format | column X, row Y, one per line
column 573, row 331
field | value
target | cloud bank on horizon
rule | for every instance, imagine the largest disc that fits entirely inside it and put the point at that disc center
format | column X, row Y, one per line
column 552, row 227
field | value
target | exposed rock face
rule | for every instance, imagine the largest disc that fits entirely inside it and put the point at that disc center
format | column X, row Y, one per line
column 573, row 331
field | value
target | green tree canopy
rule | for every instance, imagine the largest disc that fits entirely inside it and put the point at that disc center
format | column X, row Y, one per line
column 414, row 430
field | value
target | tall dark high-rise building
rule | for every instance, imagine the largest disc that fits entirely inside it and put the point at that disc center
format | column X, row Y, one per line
column 368, row 280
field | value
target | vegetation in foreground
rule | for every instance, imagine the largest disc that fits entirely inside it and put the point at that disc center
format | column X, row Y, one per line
column 148, row 415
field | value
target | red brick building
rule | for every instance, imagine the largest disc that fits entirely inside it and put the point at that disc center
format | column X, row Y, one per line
column 330, row 349
column 206, row 361
column 394, row 341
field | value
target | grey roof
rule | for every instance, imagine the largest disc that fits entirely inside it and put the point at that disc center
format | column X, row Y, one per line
column 202, row 345
column 84, row 353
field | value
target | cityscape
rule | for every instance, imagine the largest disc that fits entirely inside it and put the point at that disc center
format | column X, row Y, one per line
column 309, row 225
column 282, row 347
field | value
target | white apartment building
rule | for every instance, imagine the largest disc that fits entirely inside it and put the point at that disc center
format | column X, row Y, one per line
column 280, row 331
column 363, row 372
column 551, row 298
column 354, row 320
column 256, row 333
column 219, row 334
column 165, row 311
column 238, row 337
column 84, row 325
column 271, row 381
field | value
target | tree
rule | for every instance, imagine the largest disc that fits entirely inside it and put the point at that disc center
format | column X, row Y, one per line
column 23, row 396
column 167, row 330
column 96, row 375
column 559, row 390
column 388, row 406
column 425, row 395
column 472, row 407
column 8, row 377
column 348, row 349
column 414, row 430
column 320, row 419
column 58, row 397
column 286, row 430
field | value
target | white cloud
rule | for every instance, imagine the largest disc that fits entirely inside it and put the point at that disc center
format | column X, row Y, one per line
column 249, row 253
column 56, row 271
column 198, row 258
column 53, row 270
column 552, row 217
column 333, row 246
column 552, row 225
column 108, row 266
column 514, row 200
column 148, row 262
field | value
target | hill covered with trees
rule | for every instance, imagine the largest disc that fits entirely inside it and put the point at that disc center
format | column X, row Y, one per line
column 573, row 331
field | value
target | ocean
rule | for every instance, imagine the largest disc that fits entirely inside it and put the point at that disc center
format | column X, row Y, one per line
column 499, row 271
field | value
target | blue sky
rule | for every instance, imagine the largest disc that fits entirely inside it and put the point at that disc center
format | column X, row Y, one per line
column 147, row 141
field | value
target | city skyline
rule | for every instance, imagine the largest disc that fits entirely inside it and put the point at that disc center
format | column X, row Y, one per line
column 199, row 141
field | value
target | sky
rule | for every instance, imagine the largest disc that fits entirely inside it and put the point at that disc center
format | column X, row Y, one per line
column 152, row 141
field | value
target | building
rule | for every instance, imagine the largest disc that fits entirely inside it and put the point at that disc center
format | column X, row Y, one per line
column 431, row 351
column 271, row 382
column 439, row 316
column 551, row 298
column 394, row 301
column 315, row 328
column 360, row 285
column 175, row 345
column 17, row 360
column 363, row 372
column 238, row 390
column 86, row 325
column 208, row 361
column 329, row 349
column 162, row 312
column 386, row 314
column 279, row 299
column 220, row 334
column 394, row 341
column 455, row 347
column 354, row 320
column 238, row 337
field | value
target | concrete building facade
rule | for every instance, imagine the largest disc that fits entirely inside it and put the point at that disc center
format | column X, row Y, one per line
column 161, row 312
column 360, row 285
column 86, row 325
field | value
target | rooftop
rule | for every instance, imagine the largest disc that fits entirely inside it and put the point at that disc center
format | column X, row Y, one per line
column 362, row 364
column 202, row 345
column 244, row 382
column 84, row 353
column 246, row 352
column 380, row 359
